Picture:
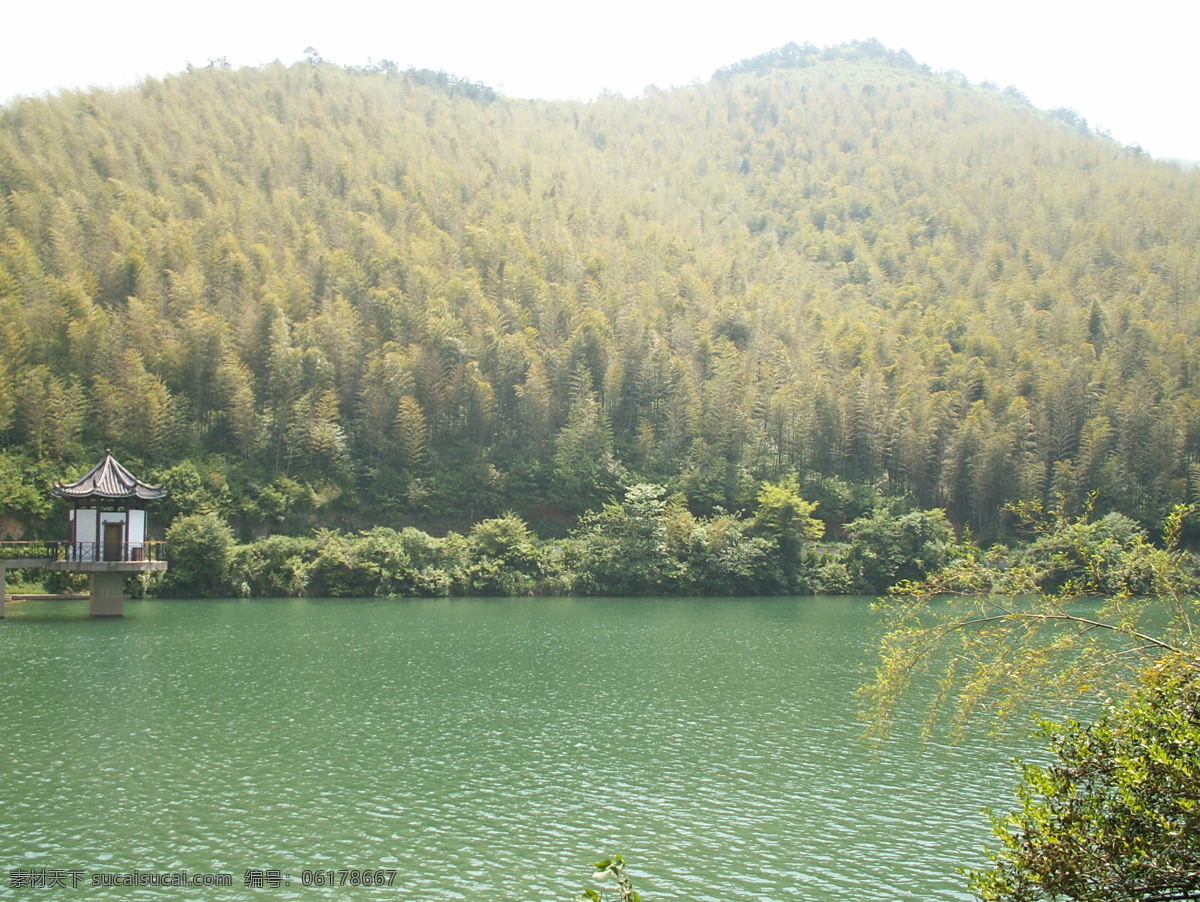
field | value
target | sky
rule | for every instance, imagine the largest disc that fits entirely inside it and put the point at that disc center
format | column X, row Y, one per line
column 1130, row 69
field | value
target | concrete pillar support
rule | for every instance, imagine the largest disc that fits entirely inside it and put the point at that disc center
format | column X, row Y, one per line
column 108, row 595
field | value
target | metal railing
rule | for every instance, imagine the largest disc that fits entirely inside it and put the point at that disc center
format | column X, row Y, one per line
column 110, row 551
column 21, row 551
column 85, row 551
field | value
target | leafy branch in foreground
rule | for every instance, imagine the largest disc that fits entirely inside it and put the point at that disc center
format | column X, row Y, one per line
column 1084, row 610
column 611, row 868
column 1116, row 818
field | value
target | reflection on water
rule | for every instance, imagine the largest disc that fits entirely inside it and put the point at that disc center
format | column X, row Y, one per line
column 483, row 749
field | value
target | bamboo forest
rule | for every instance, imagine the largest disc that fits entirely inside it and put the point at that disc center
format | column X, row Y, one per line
column 824, row 291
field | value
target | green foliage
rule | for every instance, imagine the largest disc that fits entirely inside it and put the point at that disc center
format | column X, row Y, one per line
column 189, row 491
column 585, row 470
column 505, row 558
column 355, row 566
column 417, row 301
column 1116, row 817
column 834, row 577
column 787, row 520
column 622, row 549
column 711, row 481
column 278, row 504
column 611, row 869
column 57, row 582
column 800, row 56
column 651, row 545
column 386, row 562
column 23, row 493
column 643, row 546
column 887, row 548
column 719, row 556
column 1003, row 634
column 273, row 567
column 1079, row 556
column 784, row 515
column 200, row 550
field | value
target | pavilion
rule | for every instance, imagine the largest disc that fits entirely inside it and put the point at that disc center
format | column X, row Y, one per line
column 107, row 528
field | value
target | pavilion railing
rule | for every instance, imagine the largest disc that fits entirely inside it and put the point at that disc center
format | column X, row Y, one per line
column 85, row 552
column 108, row 551
column 20, row 551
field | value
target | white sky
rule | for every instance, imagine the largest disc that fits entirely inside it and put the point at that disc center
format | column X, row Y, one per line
column 1129, row 68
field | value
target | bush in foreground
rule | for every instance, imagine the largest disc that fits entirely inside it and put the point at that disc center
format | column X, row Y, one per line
column 1117, row 817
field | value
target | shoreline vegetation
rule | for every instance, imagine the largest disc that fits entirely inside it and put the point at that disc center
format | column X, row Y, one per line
column 650, row 544
column 316, row 296
column 646, row 544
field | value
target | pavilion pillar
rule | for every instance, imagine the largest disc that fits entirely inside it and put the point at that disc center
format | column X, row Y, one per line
column 3, row 590
column 108, row 594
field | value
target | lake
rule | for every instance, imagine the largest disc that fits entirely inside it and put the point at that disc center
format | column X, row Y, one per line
column 473, row 749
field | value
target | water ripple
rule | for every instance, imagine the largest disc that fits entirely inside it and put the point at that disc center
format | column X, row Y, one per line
column 483, row 749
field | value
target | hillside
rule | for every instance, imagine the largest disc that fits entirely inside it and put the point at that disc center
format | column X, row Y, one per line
column 311, row 294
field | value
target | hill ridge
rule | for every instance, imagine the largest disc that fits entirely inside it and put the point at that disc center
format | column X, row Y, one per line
column 350, row 295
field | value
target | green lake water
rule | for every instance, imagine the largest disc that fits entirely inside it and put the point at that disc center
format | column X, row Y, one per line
column 478, row 749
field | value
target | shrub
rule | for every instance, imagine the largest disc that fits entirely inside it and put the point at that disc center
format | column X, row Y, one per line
column 886, row 548
column 273, row 567
column 200, row 552
column 1117, row 817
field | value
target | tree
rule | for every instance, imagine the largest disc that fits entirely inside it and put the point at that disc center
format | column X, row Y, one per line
column 506, row 560
column 553, row 288
column 585, row 469
column 886, row 548
column 385, row 562
column 784, row 517
column 188, row 492
column 272, row 567
column 200, row 549
column 623, row 548
column 408, row 450
column 21, row 498
column 1108, row 556
column 1001, row 633
column 718, row 556
column 1116, row 817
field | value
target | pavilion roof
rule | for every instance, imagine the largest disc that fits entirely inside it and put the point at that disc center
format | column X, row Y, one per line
column 108, row 479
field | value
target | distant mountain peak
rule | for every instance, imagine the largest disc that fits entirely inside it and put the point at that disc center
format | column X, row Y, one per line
column 801, row 56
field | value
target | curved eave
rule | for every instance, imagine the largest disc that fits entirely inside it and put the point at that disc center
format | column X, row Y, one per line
column 109, row 481
column 138, row 494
